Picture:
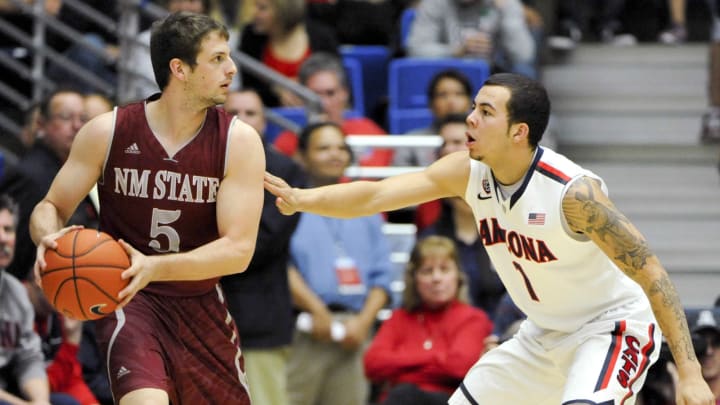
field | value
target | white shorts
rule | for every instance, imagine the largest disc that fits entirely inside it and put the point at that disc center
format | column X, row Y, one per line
column 604, row 362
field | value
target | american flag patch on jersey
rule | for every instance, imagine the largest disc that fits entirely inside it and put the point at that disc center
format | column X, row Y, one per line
column 536, row 218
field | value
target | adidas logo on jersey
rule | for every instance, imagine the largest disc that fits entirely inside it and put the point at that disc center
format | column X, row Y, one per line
column 122, row 372
column 133, row 149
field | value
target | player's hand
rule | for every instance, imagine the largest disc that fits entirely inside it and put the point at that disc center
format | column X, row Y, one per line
column 286, row 199
column 693, row 391
column 48, row 242
column 322, row 320
column 140, row 273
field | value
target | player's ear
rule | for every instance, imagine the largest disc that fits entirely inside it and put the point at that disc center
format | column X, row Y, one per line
column 178, row 68
column 519, row 131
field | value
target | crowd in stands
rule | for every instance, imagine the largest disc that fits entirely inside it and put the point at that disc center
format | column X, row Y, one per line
column 337, row 271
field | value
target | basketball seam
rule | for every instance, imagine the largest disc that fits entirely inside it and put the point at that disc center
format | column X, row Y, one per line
column 65, row 256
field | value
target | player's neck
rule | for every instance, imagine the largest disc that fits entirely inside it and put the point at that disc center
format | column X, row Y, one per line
column 514, row 166
column 173, row 119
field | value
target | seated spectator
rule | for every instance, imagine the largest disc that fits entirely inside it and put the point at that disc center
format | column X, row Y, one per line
column 422, row 352
column 341, row 276
column 495, row 31
column 449, row 92
column 705, row 329
column 94, row 368
column 60, row 338
column 142, row 79
column 247, row 105
column 453, row 218
column 96, row 104
column 282, row 38
column 324, row 74
column 22, row 367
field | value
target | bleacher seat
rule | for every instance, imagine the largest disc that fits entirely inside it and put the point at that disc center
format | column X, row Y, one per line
column 354, row 73
column 374, row 60
column 406, row 19
column 408, row 79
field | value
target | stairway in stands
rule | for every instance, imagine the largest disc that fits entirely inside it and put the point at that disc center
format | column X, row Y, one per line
column 632, row 115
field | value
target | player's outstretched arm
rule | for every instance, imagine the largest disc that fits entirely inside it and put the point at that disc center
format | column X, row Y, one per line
column 445, row 178
column 588, row 210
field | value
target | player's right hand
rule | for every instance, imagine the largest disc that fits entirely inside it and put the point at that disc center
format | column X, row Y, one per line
column 48, row 242
column 286, row 200
column 140, row 273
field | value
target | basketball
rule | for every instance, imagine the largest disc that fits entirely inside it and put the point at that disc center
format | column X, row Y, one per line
column 82, row 276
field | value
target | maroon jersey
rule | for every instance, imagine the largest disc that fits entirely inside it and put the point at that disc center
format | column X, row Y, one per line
column 160, row 203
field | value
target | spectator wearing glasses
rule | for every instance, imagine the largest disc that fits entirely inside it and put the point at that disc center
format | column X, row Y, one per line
column 60, row 117
column 705, row 331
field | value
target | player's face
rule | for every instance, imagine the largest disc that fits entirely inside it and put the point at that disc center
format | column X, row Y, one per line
column 214, row 70
column 7, row 238
column 449, row 98
column 488, row 132
column 454, row 138
column 333, row 95
column 248, row 107
column 711, row 360
column 437, row 280
column 327, row 156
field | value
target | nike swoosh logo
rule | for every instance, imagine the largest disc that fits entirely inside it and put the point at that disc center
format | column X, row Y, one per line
column 97, row 309
column 480, row 197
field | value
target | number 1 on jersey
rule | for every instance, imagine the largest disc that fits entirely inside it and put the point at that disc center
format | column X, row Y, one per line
column 529, row 286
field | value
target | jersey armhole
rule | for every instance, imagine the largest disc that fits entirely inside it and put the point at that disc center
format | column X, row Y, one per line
column 227, row 145
column 101, row 180
column 569, row 232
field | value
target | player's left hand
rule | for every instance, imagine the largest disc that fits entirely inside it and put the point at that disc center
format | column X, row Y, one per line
column 693, row 391
column 286, row 199
column 46, row 243
column 140, row 273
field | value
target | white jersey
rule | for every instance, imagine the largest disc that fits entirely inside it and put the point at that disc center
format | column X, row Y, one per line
column 559, row 279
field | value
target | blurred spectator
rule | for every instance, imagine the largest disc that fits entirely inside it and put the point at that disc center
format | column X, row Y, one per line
column 102, row 66
column 324, row 74
column 94, row 368
column 449, row 92
column 422, row 352
column 710, row 131
column 142, row 79
column 267, row 333
column 282, row 38
column 60, row 338
column 342, row 275
column 359, row 22
column 488, row 29
column 61, row 115
column 506, row 320
column 677, row 32
column 454, row 220
column 96, row 104
column 247, row 106
column 705, row 329
column 572, row 23
column 22, row 369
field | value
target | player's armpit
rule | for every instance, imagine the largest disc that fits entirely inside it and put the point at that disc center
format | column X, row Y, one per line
column 589, row 211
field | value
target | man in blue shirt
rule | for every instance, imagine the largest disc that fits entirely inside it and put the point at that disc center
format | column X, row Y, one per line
column 341, row 277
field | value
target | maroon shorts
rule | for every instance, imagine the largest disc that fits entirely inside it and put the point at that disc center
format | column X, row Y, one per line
column 186, row 346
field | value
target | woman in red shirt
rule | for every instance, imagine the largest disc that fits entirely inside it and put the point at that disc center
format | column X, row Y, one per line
column 421, row 354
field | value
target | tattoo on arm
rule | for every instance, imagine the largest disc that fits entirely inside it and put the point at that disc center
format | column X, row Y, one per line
column 591, row 212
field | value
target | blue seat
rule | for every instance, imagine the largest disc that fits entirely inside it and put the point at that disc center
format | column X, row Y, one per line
column 294, row 114
column 374, row 60
column 408, row 79
column 354, row 74
column 406, row 19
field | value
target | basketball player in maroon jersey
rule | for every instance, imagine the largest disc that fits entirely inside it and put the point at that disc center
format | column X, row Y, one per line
column 180, row 182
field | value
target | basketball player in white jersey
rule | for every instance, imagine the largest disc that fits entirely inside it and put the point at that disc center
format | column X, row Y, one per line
column 595, row 295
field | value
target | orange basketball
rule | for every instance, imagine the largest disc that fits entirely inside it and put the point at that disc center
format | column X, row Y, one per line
column 82, row 276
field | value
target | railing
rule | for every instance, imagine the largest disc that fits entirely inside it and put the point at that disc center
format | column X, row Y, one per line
column 126, row 29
